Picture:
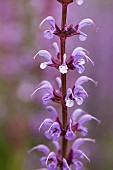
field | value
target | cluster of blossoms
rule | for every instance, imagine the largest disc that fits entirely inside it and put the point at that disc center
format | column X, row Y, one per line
column 54, row 129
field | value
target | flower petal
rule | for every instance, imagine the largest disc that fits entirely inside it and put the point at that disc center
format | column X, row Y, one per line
column 78, row 50
column 44, row 53
column 45, row 85
column 50, row 20
column 42, row 148
column 52, row 111
column 54, row 132
column 58, row 79
column 80, row 141
column 69, row 102
column 85, row 22
column 46, row 122
column 76, row 114
column 53, row 163
column 80, row 154
column 84, row 79
column 87, row 117
column 70, row 135
column 48, row 34
column 65, row 165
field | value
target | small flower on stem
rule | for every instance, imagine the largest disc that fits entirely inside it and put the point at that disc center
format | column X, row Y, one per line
column 51, row 61
column 83, row 23
column 53, row 126
column 50, row 160
column 77, row 93
column 76, row 153
column 77, row 59
column 49, row 32
column 51, row 93
column 76, row 124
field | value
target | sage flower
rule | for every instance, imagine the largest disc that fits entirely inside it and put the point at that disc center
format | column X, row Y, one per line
column 77, row 93
column 77, row 59
column 50, row 31
column 50, row 158
column 53, row 61
column 51, row 93
column 76, row 124
column 53, row 126
column 83, row 23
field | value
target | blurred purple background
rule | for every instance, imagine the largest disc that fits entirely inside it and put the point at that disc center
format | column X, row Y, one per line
column 20, row 116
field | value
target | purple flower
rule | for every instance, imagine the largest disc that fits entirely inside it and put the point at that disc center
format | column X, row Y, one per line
column 51, row 61
column 75, row 153
column 49, row 160
column 54, row 132
column 53, row 126
column 77, row 93
column 51, row 93
column 76, row 124
column 50, row 31
column 83, row 23
column 77, row 61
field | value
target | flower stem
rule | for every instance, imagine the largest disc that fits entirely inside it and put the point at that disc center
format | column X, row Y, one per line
column 63, row 78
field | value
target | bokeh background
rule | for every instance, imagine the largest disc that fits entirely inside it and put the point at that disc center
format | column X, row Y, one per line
column 20, row 116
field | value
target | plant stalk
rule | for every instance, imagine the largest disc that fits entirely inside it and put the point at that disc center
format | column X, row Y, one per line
column 63, row 79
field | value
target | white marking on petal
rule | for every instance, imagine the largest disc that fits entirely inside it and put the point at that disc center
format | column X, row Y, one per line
column 63, row 68
column 82, row 36
column 79, row 2
column 69, row 103
column 79, row 100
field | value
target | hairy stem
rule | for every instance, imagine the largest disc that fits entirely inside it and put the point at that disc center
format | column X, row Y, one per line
column 63, row 78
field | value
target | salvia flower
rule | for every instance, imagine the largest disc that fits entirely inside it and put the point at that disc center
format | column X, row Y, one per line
column 75, row 153
column 51, row 93
column 76, row 124
column 50, row 158
column 77, row 93
column 51, row 61
column 53, row 126
column 52, row 28
column 77, row 59
column 83, row 23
